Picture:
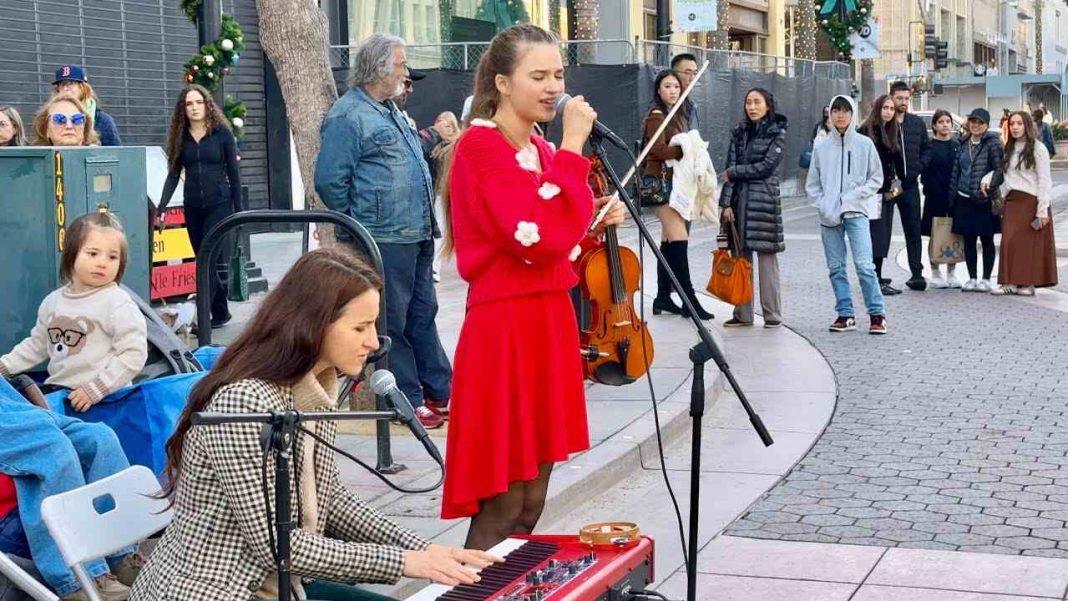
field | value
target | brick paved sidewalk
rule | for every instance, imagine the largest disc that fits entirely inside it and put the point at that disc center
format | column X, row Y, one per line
column 950, row 433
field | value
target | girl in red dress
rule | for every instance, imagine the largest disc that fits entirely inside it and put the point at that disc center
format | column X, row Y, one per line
column 518, row 209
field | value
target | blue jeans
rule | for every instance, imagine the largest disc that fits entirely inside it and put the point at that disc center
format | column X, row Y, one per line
column 417, row 358
column 47, row 453
column 834, row 249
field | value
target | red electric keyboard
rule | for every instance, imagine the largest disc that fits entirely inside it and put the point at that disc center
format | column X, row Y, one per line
column 554, row 568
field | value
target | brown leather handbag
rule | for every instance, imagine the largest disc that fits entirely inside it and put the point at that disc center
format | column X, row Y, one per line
column 732, row 274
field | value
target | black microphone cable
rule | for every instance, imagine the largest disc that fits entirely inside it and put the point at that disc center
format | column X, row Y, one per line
column 649, row 374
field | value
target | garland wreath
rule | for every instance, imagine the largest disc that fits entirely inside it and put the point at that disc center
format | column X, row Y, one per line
column 213, row 62
column 840, row 19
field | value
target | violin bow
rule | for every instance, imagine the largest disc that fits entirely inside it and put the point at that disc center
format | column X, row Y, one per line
column 652, row 140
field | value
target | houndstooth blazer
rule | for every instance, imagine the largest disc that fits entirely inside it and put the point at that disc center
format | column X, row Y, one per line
column 218, row 546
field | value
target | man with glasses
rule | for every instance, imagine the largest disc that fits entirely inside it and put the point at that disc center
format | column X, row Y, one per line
column 401, row 100
column 684, row 66
column 371, row 167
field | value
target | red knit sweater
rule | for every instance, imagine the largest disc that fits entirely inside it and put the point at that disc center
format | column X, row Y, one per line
column 515, row 230
column 8, row 502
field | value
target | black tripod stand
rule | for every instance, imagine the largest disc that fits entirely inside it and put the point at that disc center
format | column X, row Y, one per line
column 278, row 433
column 700, row 354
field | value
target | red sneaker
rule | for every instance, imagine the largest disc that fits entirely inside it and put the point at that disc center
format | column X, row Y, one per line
column 428, row 418
column 440, row 408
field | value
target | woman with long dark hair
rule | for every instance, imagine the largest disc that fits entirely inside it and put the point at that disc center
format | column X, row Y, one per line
column 518, row 209
column 882, row 127
column 656, row 175
column 1028, row 254
column 750, row 199
column 318, row 324
column 937, row 195
column 201, row 144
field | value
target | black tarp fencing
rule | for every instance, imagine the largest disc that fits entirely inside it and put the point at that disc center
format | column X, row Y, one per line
column 621, row 95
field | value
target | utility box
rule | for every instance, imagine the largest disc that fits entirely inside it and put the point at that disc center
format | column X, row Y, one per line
column 42, row 190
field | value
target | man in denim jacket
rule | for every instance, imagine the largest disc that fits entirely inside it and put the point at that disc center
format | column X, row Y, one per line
column 371, row 167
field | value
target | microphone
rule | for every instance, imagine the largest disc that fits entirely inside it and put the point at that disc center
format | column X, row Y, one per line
column 384, row 383
column 599, row 128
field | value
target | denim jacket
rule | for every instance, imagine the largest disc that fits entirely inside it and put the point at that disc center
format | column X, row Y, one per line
column 371, row 167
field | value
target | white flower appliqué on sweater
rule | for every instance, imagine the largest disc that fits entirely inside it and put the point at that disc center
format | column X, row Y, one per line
column 548, row 190
column 526, row 232
column 527, row 159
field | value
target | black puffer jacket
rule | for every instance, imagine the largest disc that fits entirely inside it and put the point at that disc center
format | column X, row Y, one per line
column 987, row 158
column 917, row 149
column 753, row 162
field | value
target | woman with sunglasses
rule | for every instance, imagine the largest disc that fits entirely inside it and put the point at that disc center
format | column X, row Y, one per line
column 63, row 121
column 73, row 81
column 12, row 133
column 200, row 143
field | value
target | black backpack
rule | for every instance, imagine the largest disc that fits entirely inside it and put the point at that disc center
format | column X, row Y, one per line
column 167, row 354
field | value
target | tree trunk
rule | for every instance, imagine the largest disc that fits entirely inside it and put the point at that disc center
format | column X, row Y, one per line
column 720, row 39
column 294, row 36
column 806, row 30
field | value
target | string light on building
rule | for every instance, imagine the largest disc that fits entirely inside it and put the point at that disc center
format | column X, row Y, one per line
column 806, row 32
column 586, row 22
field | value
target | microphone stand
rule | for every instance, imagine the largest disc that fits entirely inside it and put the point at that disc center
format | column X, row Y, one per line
column 700, row 354
column 279, row 430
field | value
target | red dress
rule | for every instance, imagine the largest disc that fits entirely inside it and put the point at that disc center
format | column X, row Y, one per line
column 518, row 399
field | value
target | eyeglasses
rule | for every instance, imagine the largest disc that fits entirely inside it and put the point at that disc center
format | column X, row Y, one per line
column 407, row 83
column 67, row 337
column 61, row 119
column 5, row 124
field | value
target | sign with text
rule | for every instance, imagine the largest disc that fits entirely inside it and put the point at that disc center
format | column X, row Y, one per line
column 866, row 41
column 174, row 280
column 171, row 244
column 695, row 15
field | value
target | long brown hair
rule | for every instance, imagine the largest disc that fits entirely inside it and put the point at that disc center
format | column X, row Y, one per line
column 40, row 122
column 501, row 58
column 180, row 122
column 283, row 341
column 75, row 239
column 882, row 133
column 19, row 137
column 1027, row 155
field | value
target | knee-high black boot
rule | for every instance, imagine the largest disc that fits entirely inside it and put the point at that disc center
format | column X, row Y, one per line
column 663, row 303
column 680, row 264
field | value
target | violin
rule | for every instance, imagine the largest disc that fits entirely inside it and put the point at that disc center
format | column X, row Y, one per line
column 616, row 345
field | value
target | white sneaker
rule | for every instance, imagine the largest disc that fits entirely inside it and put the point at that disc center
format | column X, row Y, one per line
column 952, row 281
column 1026, row 291
column 984, row 286
column 937, row 281
column 969, row 286
column 1004, row 290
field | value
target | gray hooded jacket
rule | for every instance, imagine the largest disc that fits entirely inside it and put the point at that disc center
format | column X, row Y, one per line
column 845, row 174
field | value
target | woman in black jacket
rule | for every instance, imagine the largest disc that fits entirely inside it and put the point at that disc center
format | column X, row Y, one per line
column 945, row 149
column 883, row 129
column 973, row 217
column 750, row 199
column 200, row 143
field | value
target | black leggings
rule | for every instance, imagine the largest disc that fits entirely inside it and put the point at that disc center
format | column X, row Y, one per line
column 971, row 255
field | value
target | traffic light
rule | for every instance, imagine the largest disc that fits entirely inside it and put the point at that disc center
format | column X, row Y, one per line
column 929, row 40
column 941, row 56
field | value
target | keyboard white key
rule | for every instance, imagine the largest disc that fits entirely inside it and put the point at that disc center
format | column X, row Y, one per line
column 434, row 591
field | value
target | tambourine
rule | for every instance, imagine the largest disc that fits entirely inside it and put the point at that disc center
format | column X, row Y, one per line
column 610, row 534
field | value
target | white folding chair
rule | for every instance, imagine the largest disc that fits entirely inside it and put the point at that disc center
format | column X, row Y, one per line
column 24, row 581
column 83, row 533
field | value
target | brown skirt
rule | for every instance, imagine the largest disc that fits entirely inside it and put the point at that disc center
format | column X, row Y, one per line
column 1028, row 257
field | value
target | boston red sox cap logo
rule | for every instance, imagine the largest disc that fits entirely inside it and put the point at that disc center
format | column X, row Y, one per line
column 66, row 71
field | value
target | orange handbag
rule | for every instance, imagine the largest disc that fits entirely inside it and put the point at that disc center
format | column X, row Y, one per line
column 732, row 276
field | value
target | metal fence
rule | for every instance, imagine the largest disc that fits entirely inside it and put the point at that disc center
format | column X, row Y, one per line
column 465, row 55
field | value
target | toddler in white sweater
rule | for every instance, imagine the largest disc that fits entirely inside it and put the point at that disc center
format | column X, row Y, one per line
column 90, row 330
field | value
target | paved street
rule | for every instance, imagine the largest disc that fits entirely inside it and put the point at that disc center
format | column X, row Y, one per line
column 948, row 434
